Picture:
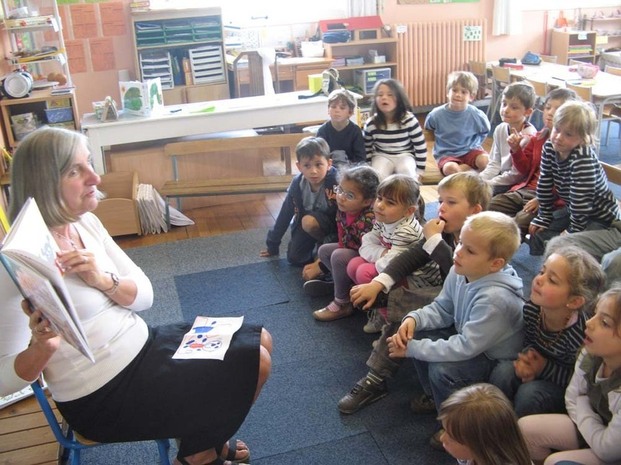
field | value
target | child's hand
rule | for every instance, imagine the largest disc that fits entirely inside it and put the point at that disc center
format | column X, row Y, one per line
column 405, row 333
column 532, row 229
column 531, row 206
column 523, row 367
column 365, row 293
column 394, row 350
column 266, row 253
column 311, row 271
column 515, row 139
column 536, row 361
column 433, row 227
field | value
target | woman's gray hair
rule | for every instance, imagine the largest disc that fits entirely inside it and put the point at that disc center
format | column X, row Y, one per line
column 39, row 163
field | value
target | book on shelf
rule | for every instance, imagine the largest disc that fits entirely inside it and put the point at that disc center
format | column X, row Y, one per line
column 28, row 252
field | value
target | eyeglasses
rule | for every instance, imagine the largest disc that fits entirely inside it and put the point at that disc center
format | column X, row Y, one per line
column 348, row 195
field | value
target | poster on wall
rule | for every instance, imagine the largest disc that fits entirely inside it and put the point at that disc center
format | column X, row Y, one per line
column 431, row 2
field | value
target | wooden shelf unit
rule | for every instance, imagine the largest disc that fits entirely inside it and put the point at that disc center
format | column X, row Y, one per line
column 164, row 39
column 574, row 45
column 37, row 103
column 384, row 46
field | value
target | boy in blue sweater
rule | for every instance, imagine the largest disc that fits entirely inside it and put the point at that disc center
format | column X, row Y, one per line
column 459, row 128
column 310, row 202
column 476, row 319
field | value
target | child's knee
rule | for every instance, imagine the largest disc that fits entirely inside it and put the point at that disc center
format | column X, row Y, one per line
column 482, row 161
column 311, row 226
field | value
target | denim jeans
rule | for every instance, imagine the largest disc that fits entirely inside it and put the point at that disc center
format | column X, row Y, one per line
column 441, row 379
column 537, row 396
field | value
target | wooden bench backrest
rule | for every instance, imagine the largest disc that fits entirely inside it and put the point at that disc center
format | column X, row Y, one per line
column 175, row 149
column 613, row 173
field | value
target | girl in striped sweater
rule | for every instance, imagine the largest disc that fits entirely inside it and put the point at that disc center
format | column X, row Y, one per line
column 562, row 297
column 570, row 170
column 394, row 140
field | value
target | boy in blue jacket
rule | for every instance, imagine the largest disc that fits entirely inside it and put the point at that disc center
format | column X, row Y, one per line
column 476, row 319
column 310, row 202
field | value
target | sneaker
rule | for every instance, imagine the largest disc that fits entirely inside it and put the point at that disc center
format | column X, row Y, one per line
column 435, row 441
column 327, row 314
column 365, row 392
column 319, row 287
column 375, row 324
column 423, row 404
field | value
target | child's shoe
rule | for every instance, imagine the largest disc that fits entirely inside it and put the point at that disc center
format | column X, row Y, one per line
column 365, row 392
column 423, row 404
column 319, row 287
column 334, row 311
column 376, row 322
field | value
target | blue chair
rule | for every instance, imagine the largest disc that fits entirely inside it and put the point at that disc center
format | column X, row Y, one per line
column 71, row 444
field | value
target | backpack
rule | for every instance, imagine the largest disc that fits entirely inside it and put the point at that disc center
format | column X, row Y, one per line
column 531, row 59
column 330, row 80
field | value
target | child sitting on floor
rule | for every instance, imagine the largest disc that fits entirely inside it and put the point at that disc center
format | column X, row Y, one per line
column 310, row 202
column 355, row 196
column 475, row 321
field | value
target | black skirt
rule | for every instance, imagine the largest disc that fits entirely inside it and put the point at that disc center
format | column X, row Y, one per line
column 202, row 402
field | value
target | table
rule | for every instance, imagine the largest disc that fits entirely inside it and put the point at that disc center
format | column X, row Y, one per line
column 193, row 119
column 606, row 87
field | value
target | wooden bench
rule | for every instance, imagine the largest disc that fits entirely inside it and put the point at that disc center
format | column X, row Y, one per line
column 178, row 188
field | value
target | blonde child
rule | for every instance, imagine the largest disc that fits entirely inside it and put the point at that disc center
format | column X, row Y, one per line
column 396, row 228
column 459, row 128
column 520, row 201
column 562, row 297
column 393, row 138
column 480, row 428
column 590, row 433
column 355, row 195
column 475, row 321
column 342, row 135
column 570, row 169
column 516, row 106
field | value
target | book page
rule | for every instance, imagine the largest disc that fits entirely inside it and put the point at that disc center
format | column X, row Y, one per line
column 29, row 246
column 209, row 338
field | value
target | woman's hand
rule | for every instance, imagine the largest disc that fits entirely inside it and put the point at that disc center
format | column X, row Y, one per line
column 365, row 293
column 84, row 264
column 42, row 333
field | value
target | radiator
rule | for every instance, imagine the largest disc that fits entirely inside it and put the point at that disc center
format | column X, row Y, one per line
column 427, row 52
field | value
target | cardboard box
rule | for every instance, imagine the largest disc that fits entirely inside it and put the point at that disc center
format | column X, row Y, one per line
column 142, row 98
column 366, row 78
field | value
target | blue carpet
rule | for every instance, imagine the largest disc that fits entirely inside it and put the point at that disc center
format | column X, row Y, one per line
column 222, row 291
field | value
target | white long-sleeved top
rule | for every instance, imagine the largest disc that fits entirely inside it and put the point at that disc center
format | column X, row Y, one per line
column 604, row 440
column 396, row 237
column 115, row 334
column 500, row 170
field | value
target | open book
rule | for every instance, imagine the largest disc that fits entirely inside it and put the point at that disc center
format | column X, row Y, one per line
column 28, row 252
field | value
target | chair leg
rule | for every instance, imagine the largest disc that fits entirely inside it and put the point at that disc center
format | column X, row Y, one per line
column 163, row 446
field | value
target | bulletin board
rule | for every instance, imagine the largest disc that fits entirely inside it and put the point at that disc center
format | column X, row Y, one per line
column 431, row 2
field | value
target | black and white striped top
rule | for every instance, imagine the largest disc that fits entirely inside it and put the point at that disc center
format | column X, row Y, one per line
column 404, row 137
column 559, row 350
column 581, row 183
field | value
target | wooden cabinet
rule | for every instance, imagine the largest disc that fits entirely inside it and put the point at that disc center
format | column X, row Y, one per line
column 184, row 48
column 386, row 47
column 573, row 45
column 55, row 110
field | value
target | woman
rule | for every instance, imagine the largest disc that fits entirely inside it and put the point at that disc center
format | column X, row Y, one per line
column 135, row 390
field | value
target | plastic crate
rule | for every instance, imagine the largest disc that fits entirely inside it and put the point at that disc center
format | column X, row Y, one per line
column 59, row 115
